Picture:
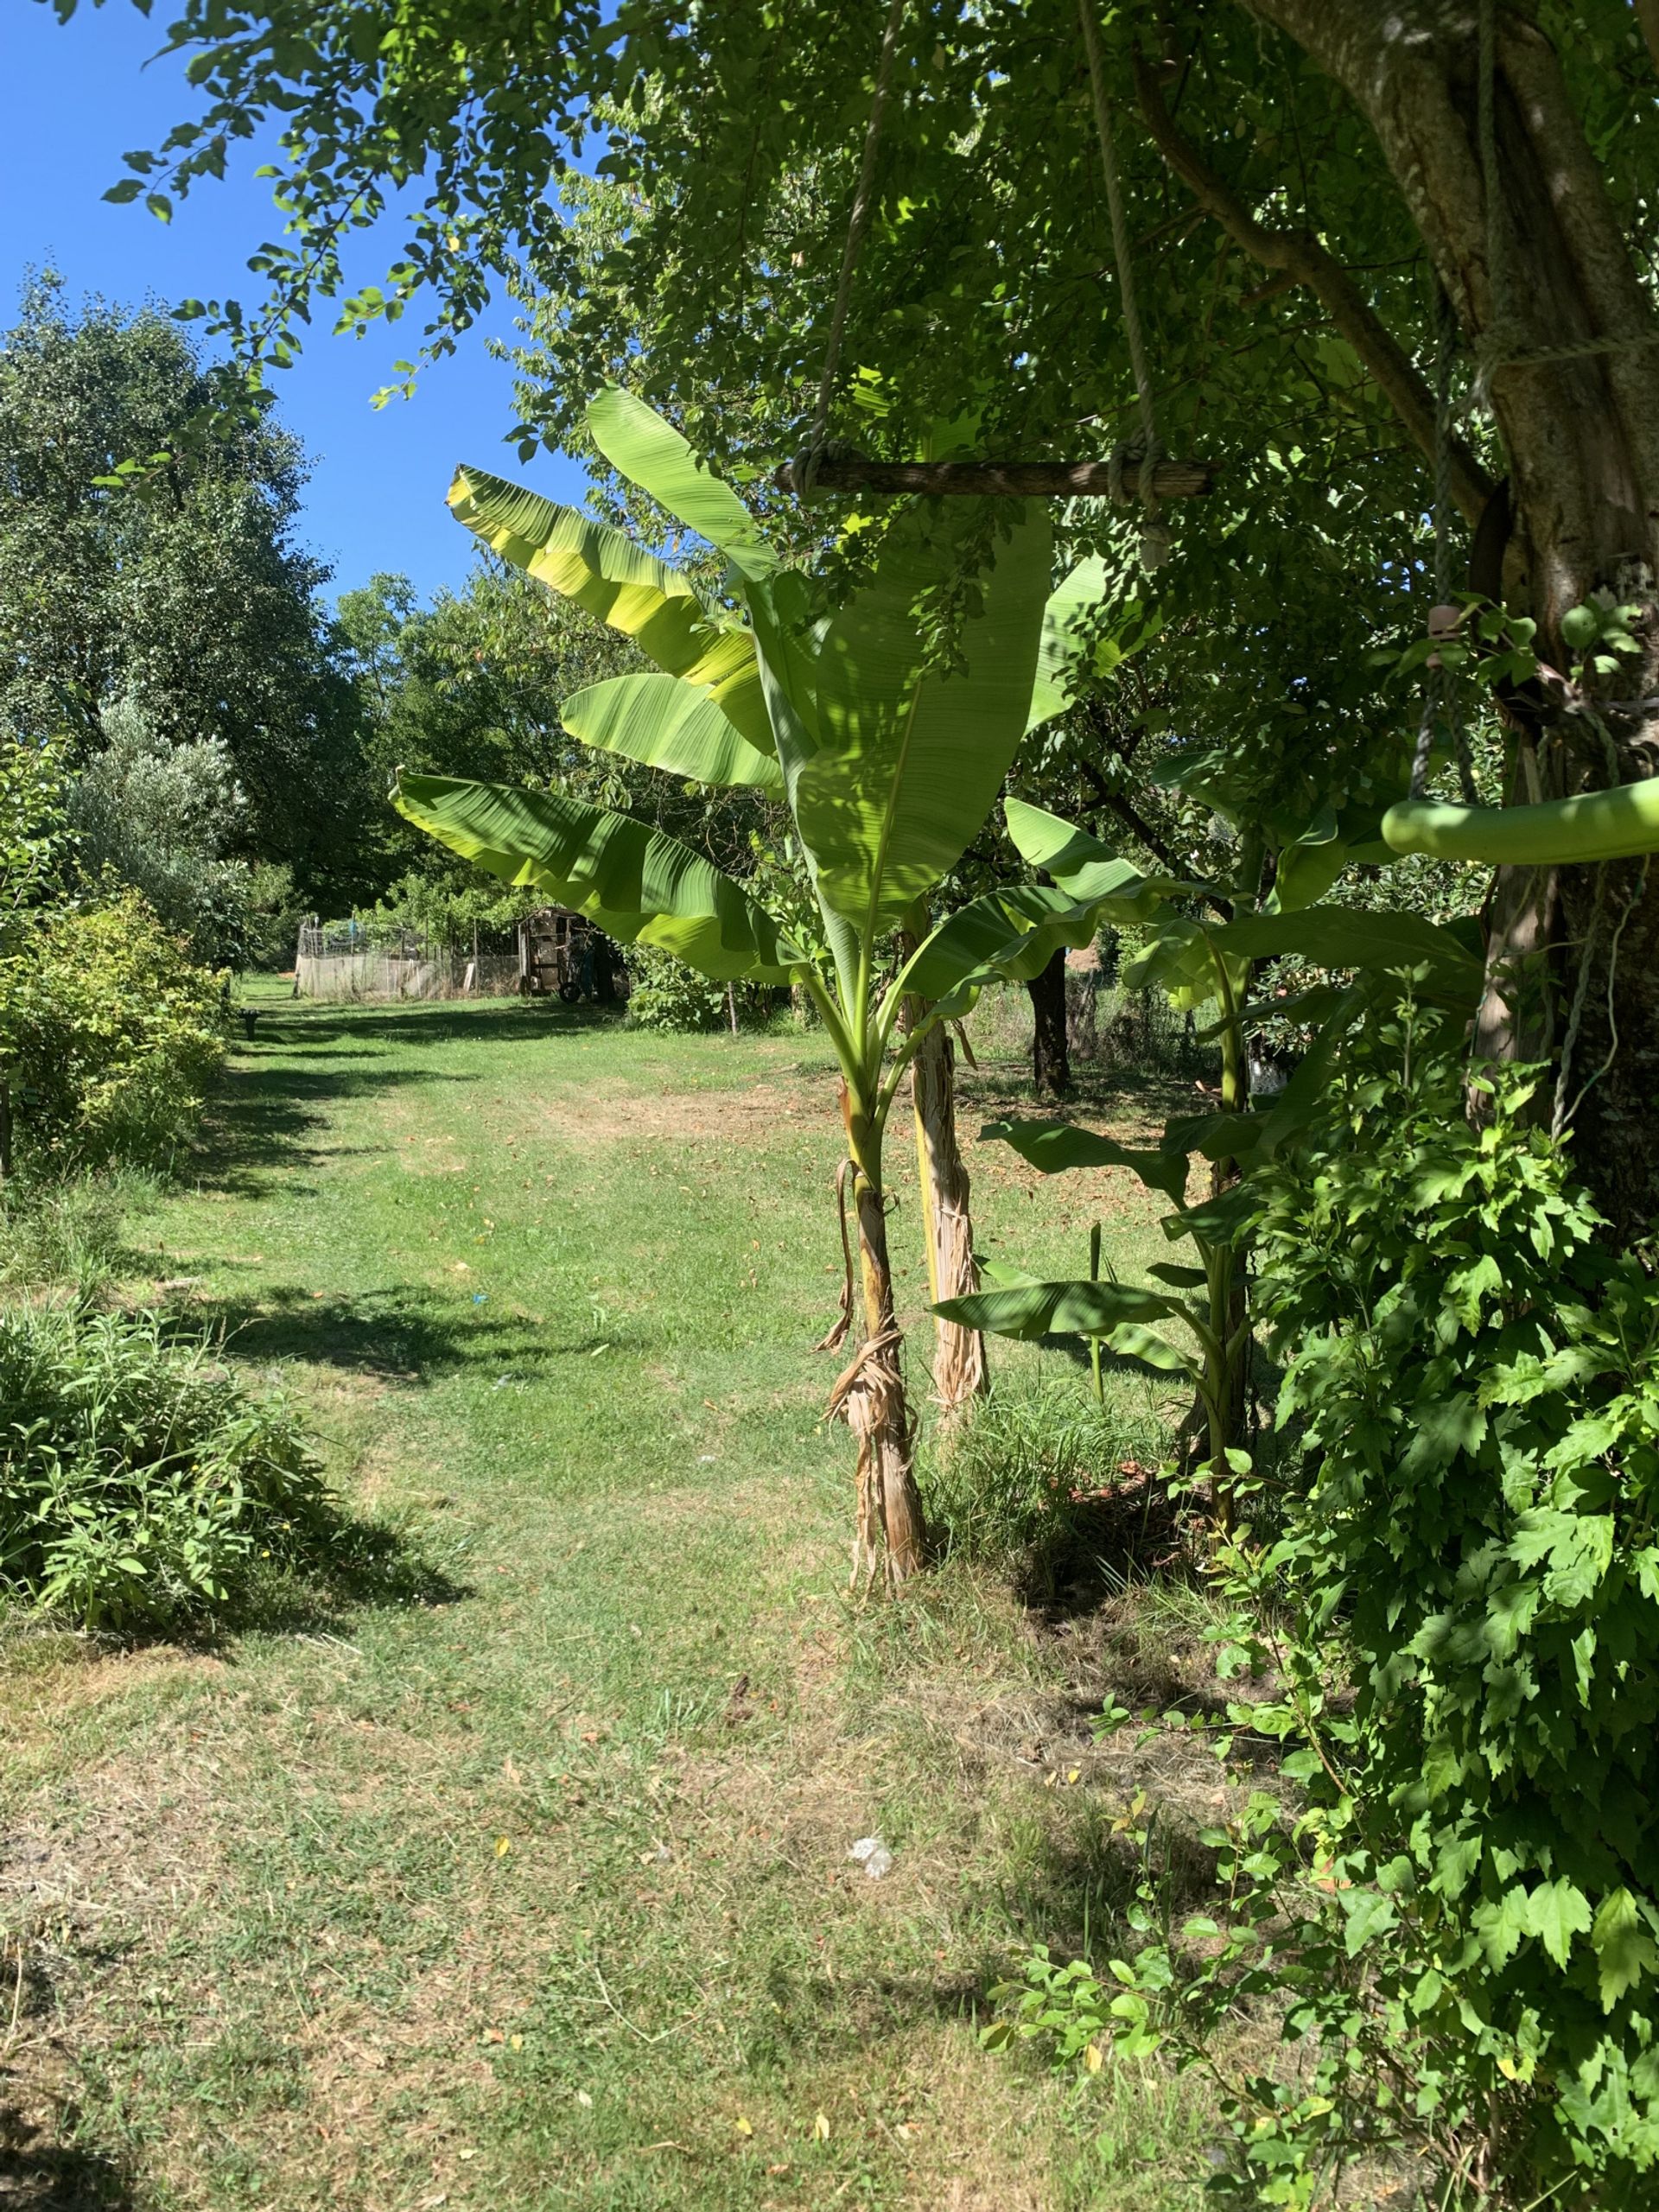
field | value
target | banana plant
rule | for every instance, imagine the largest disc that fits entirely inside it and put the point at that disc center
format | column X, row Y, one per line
column 1199, row 961
column 887, row 765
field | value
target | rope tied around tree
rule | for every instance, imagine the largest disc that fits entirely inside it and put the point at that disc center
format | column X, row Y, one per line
column 1154, row 535
column 1439, row 697
column 806, row 462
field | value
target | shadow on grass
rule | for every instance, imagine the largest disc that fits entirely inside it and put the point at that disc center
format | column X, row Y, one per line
column 263, row 1127
column 338, row 1569
column 38, row 2174
column 406, row 1333
column 303, row 1024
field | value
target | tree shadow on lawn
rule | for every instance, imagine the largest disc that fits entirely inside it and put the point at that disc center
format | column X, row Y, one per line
column 432, row 1021
column 262, row 1127
column 41, row 2174
column 407, row 1333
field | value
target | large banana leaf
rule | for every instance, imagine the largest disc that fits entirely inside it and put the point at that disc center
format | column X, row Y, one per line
column 608, row 576
column 910, row 758
column 650, row 453
column 1085, row 867
column 1052, row 1309
column 1011, row 934
column 1055, row 1148
column 1346, row 937
column 1067, row 649
column 667, row 723
column 636, row 883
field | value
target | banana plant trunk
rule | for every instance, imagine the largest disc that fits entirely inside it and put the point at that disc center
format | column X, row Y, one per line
column 891, row 1533
column 961, row 1372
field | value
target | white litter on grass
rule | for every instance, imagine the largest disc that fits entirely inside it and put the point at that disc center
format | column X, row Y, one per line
column 873, row 1855
column 706, row 1458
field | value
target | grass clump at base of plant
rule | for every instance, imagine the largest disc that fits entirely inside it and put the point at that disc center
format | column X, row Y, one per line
column 141, row 1485
column 1013, row 1487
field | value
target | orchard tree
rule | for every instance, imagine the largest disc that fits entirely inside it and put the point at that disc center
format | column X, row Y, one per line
column 147, row 564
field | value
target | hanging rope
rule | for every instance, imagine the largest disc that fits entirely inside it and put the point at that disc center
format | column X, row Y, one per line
column 1443, row 616
column 1154, row 536
column 806, row 463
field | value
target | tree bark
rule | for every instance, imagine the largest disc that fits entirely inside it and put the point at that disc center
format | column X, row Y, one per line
column 891, row 1533
column 1051, row 1058
column 1582, row 438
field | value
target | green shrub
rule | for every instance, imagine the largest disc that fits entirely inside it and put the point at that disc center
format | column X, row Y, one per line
column 1477, row 1382
column 140, row 1484
column 1462, row 1930
column 111, row 1035
column 667, row 995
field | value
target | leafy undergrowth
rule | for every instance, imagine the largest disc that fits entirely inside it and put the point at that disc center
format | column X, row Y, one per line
column 532, row 1889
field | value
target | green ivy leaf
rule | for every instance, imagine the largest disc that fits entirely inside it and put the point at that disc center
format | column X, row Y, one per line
column 1556, row 1911
column 1623, row 1948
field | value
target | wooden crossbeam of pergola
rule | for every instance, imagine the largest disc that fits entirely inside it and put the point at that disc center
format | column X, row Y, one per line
column 1007, row 480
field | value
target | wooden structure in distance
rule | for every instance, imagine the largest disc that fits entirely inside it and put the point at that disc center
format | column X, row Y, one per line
column 1008, row 480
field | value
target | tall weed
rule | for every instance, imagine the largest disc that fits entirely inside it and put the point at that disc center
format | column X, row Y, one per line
column 140, row 1484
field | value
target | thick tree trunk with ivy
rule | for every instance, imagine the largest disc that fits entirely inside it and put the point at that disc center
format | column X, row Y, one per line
column 891, row 1534
column 1580, row 514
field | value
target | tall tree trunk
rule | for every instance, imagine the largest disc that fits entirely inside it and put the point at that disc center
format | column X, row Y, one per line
column 1582, row 438
column 891, row 1534
column 1050, row 1057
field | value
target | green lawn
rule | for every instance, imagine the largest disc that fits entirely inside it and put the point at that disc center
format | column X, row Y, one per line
column 527, row 1884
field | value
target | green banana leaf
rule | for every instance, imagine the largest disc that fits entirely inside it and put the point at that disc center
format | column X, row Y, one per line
column 1066, row 651
column 1221, row 1220
column 650, row 453
column 608, row 576
column 1032, row 1309
column 1346, row 937
column 1306, row 872
column 1085, row 867
column 1620, row 823
column 1153, row 1350
column 910, row 758
column 1178, row 957
column 637, row 884
column 1009, row 936
column 667, row 723
column 1055, row 1148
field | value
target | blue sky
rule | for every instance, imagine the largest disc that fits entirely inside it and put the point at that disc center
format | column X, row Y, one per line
column 78, row 96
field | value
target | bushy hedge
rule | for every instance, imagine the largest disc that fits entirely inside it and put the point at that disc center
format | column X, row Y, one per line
column 140, row 1484
column 110, row 1036
column 667, row 995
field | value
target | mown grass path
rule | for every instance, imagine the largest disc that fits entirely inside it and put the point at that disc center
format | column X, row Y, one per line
column 532, row 1890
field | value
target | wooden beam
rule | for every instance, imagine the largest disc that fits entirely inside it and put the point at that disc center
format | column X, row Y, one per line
column 1004, row 480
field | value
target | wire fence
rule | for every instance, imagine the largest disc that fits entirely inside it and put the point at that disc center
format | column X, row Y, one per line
column 342, row 960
